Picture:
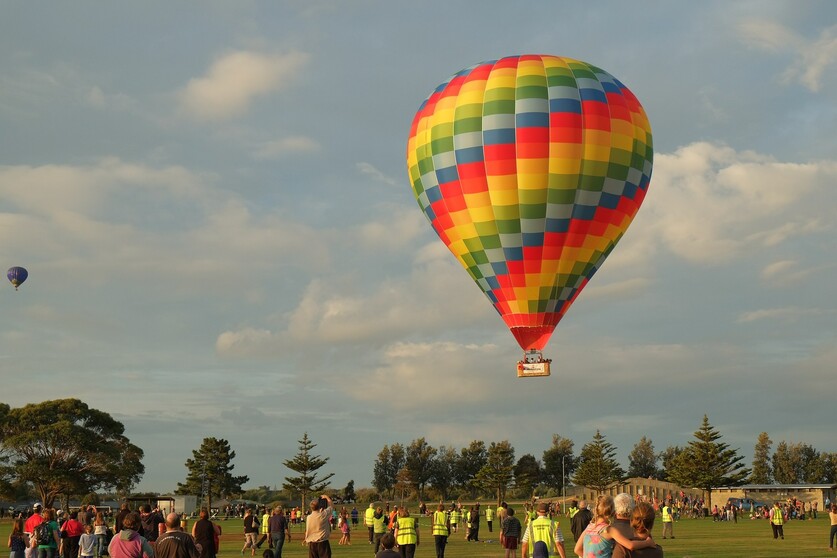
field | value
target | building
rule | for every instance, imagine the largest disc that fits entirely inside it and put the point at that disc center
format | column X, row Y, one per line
column 769, row 493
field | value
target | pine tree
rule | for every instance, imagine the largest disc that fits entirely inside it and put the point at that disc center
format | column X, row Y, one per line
column 210, row 472
column 707, row 463
column 598, row 467
column 762, row 471
column 642, row 462
column 498, row 471
column 307, row 466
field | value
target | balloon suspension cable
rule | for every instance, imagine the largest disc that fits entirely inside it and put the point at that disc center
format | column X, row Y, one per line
column 533, row 364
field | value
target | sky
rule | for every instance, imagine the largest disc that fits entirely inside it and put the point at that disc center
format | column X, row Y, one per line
column 213, row 204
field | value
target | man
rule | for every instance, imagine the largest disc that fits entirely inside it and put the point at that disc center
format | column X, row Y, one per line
column 489, row 518
column 380, row 521
column 174, row 543
column 510, row 532
column 318, row 528
column 441, row 530
column 29, row 527
column 367, row 519
column 668, row 520
column 623, row 507
column 581, row 519
column 279, row 529
column 543, row 535
column 152, row 523
column 124, row 510
column 777, row 520
column 573, row 509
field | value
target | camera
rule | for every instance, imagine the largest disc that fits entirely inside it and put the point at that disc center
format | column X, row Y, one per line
column 322, row 503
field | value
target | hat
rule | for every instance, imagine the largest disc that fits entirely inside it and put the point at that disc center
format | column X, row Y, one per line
column 543, row 507
column 37, row 506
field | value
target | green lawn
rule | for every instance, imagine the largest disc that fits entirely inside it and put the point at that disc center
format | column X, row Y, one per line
column 694, row 538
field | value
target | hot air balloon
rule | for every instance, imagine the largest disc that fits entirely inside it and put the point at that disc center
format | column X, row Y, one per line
column 530, row 169
column 17, row 275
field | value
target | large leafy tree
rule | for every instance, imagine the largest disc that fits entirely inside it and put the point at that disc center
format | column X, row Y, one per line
column 707, row 463
column 442, row 470
column 598, row 467
column 642, row 461
column 306, row 465
column 65, row 447
column 209, row 472
column 762, row 471
column 418, row 462
column 498, row 472
column 390, row 461
column 558, row 462
column 471, row 460
column 527, row 473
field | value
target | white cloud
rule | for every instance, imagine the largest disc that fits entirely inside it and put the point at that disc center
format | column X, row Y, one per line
column 286, row 146
column 787, row 314
column 235, row 80
column 373, row 172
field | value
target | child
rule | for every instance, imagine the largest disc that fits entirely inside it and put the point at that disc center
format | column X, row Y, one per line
column 388, row 541
column 345, row 530
column 87, row 543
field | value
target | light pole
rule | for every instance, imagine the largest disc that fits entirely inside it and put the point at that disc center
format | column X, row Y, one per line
column 563, row 486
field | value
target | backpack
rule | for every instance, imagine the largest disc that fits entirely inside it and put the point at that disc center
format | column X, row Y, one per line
column 43, row 534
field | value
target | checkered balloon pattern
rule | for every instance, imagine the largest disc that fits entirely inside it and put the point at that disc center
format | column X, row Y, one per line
column 530, row 169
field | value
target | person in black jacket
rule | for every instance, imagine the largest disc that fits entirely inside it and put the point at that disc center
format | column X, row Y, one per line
column 580, row 520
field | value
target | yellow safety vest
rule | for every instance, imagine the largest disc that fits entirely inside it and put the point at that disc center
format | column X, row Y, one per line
column 263, row 526
column 379, row 524
column 778, row 517
column 454, row 517
column 440, row 523
column 666, row 514
column 542, row 529
column 489, row 514
column 573, row 511
column 369, row 516
column 406, row 531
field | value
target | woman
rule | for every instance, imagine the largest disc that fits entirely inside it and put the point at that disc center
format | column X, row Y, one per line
column 832, row 513
column 203, row 531
column 128, row 543
column 100, row 529
column 251, row 530
column 18, row 540
column 599, row 538
column 406, row 533
column 642, row 521
column 71, row 532
column 48, row 543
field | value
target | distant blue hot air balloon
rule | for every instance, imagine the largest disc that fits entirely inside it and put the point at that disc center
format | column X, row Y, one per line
column 17, row 275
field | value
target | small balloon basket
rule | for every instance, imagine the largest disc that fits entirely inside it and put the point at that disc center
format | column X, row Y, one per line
column 533, row 364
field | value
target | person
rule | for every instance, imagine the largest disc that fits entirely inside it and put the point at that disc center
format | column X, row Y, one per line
column 71, row 532
column 345, row 530
column 832, row 514
column 599, row 538
column 510, row 532
column 124, row 510
column 581, row 518
column 542, row 536
column 367, row 520
column 151, row 523
column 251, row 531
column 642, row 521
column 441, row 530
column 100, row 530
column 87, row 542
column 354, row 514
column 777, row 520
column 388, row 541
column 668, row 520
column 18, row 540
column 128, row 543
column 474, row 529
column 379, row 527
column 489, row 518
column 454, row 519
column 279, row 529
column 406, row 533
column 393, row 518
column 29, row 528
column 174, row 543
column 203, row 531
column 45, row 535
column 623, row 508
column 573, row 509
column 265, row 534
column 318, row 528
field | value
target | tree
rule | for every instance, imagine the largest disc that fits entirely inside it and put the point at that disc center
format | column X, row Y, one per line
column 65, row 447
column 598, row 467
column 307, row 466
column 349, row 492
column 498, row 471
column 762, row 471
column 558, row 462
column 527, row 473
column 642, row 461
column 471, row 460
column 442, row 471
column 707, row 463
column 209, row 472
column 784, row 469
column 798, row 463
column 385, row 471
column 419, row 456
column 668, row 458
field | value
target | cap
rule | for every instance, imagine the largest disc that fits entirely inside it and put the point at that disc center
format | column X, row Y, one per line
column 543, row 507
column 37, row 506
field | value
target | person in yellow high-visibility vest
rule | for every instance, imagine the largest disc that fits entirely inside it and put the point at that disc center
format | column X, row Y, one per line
column 380, row 521
column 542, row 532
column 367, row 519
column 777, row 520
column 406, row 533
column 454, row 518
column 668, row 520
column 441, row 530
column 489, row 518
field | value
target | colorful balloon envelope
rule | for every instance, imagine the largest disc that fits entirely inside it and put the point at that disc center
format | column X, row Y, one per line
column 17, row 275
column 530, row 169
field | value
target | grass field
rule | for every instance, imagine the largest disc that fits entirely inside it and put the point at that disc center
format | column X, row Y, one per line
column 694, row 538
